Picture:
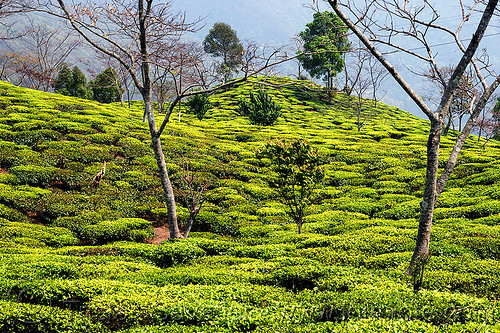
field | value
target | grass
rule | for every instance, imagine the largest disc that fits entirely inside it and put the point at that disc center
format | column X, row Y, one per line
column 73, row 256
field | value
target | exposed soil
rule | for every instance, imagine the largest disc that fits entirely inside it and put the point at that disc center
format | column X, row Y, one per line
column 161, row 234
column 3, row 170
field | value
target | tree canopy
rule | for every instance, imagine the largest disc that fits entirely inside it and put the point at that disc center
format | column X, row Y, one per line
column 325, row 38
column 222, row 41
column 72, row 83
column 107, row 87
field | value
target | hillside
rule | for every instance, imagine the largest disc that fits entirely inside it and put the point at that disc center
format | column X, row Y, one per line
column 76, row 258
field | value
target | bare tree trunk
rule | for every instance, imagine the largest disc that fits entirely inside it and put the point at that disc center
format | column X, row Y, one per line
column 189, row 225
column 430, row 194
column 147, row 95
column 163, row 173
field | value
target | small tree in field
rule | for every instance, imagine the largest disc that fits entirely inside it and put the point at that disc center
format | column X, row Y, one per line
column 199, row 105
column 261, row 109
column 296, row 172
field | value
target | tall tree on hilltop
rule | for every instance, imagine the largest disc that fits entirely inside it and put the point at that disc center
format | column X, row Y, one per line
column 325, row 39
column 222, row 41
column 416, row 22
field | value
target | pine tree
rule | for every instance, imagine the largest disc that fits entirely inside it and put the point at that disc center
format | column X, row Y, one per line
column 106, row 87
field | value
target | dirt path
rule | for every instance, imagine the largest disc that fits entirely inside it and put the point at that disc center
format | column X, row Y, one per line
column 161, row 234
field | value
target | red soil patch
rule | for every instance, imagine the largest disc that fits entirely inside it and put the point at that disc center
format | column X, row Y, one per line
column 3, row 170
column 161, row 233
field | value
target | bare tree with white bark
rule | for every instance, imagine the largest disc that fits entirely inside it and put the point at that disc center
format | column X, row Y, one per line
column 417, row 21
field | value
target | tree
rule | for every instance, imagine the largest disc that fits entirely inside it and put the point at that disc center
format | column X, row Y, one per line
column 72, row 83
column 135, row 34
column 296, row 172
column 63, row 82
column 199, row 105
column 222, row 41
column 195, row 182
column 463, row 98
column 416, row 23
column 106, row 87
column 363, row 75
column 261, row 109
column 47, row 48
column 325, row 38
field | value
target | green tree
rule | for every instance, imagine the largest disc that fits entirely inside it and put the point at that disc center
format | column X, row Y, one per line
column 325, row 38
column 72, row 83
column 222, row 41
column 79, row 87
column 260, row 109
column 296, row 172
column 62, row 82
column 199, row 105
column 107, row 87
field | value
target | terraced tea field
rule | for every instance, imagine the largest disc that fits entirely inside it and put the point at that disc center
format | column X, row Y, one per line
column 78, row 258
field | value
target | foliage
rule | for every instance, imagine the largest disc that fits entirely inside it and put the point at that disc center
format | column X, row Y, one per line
column 72, row 83
column 244, row 267
column 106, row 87
column 297, row 172
column 261, row 109
column 222, row 41
column 325, row 38
column 199, row 105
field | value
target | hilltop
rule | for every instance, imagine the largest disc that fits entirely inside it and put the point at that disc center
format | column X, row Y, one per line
column 65, row 241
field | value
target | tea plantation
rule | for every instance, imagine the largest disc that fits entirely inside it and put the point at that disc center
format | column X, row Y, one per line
column 76, row 257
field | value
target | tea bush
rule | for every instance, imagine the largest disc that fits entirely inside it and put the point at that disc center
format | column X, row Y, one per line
column 122, row 229
column 51, row 236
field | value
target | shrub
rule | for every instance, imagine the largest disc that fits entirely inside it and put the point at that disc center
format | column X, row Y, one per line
column 216, row 223
column 11, row 214
column 297, row 277
column 21, row 318
column 260, row 109
column 133, row 148
column 33, row 174
column 199, row 105
column 171, row 253
column 34, row 137
column 122, row 229
column 51, row 236
column 77, row 223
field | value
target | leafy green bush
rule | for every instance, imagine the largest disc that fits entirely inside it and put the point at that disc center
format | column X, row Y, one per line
column 51, row 236
column 122, row 229
column 21, row 318
column 33, row 174
column 199, row 105
column 177, row 252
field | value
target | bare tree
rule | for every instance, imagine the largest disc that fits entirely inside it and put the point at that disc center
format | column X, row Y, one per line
column 463, row 98
column 136, row 33
column 46, row 49
column 363, row 76
column 417, row 22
